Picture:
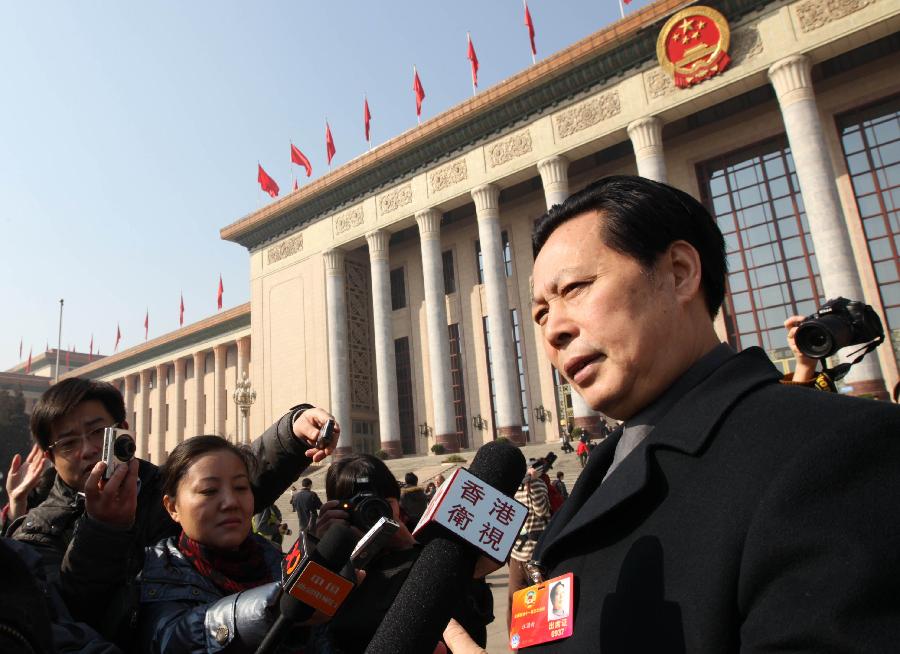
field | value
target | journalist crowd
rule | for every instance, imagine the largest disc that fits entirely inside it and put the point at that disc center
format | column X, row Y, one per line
column 724, row 507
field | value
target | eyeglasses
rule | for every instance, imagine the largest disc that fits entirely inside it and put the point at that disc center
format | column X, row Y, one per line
column 70, row 447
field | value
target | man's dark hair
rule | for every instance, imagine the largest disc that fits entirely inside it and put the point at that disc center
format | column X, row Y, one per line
column 306, row 483
column 61, row 398
column 187, row 452
column 341, row 478
column 410, row 479
column 641, row 218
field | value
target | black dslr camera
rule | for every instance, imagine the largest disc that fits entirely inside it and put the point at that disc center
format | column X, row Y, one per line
column 838, row 323
column 365, row 507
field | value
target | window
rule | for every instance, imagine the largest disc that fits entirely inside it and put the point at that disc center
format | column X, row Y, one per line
column 398, row 289
column 449, row 274
column 151, row 382
column 150, row 420
column 203, row 410
column 871, row 141
column 507, row 256
column 772, row 269
column 405, row 396
column 209, row 363
column 520, row 367
column 363, row 437
column 457, row 381
column 167, row 417
column 170, row 375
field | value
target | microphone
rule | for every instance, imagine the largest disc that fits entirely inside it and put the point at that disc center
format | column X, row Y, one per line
column 312, row 581
column 436, row 585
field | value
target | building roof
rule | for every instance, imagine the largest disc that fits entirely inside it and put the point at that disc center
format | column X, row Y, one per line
column 203, row 330
column 29, row 382
column 559, row 79
column 48, row 358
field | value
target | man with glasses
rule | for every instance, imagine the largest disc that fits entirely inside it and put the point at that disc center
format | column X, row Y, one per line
column 92, row 535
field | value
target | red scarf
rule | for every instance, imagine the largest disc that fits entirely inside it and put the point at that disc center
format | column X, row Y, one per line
column 231, row 571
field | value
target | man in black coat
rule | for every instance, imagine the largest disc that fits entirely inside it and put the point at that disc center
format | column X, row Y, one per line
column 92, row 536
column 729, row 513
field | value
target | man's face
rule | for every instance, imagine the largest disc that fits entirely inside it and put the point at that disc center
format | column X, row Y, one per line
column 606, row 322
column 83, row 427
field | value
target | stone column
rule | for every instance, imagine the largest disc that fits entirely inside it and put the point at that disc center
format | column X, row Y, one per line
column 385, row 364
column 646, row 138
column 177, row 422
column 793, row 86
column 159, row 421
column 143, row 444
column 129, row 401
column 243, row 358
column 221, row 397
column 338, row 346
column 506, row 383
column 199, row 419
column 555, row 179
column 429, row 222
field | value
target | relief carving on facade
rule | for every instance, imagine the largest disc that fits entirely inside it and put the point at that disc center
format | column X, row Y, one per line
column 449, row 175
column 813, row 14
column 359, row 319
column 588, row 113
column 286, row 248
column 395, row 199
column 509, row 148
column 658, row 83
column 348, row 220
column 746, row 43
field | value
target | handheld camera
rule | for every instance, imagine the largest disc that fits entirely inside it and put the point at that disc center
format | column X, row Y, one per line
column 326, row 435
column 365, row 507
column 118, row 449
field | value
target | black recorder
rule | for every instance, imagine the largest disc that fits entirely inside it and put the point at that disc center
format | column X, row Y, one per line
column 326, row 435
column 118, row 449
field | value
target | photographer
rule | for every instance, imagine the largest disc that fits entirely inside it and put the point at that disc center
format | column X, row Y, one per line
column 365, row 483
column 92, row 535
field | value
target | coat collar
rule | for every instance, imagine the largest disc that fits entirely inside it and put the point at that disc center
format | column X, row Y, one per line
column 686, row 428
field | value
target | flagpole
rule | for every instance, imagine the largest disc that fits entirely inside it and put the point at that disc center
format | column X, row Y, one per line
column 621, row 9
column 291, row 164
column 469, row 42
column 258, row 188
column 58, row 341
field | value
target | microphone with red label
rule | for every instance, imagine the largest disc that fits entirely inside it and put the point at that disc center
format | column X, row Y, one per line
column 473, row 513
column 312, row 581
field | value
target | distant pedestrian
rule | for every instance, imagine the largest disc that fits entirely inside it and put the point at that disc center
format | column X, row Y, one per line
column 412, row 500
column 305, row 502
column 560, row 485
column 565, row 439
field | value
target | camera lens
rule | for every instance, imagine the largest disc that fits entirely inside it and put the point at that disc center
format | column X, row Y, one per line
column 823, row 336
column 369, row 511
column 124, row 448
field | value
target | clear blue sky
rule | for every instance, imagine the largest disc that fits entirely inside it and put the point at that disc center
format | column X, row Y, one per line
column 130, row 134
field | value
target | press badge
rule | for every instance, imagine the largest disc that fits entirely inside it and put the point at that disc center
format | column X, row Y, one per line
column 542, row 613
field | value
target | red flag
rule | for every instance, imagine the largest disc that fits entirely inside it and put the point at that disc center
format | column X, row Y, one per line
column 300, row 159
column 266, row 183
column 471, row 56
column 181, row 312
column 296, row 185
column 329, row 143
column 28, row 363
column 146, row 324
column 91, row 349
column 221, row 292
column 530, row 25
column 118, row 338
column 419, row 91
column 367, row 116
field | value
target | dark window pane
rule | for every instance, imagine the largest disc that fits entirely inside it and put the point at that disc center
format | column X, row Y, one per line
column 398, row 289
column 449, row 272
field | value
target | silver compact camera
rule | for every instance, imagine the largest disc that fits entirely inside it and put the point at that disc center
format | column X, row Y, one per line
column 118, row 449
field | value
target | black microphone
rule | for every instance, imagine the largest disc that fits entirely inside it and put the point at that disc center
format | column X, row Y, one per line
column 312, row 582
column 439, row 578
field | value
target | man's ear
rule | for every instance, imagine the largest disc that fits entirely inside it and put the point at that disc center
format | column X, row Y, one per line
column 169, row 503
column 686, row 268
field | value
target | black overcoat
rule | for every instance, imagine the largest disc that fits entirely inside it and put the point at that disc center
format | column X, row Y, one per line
column 756, row 517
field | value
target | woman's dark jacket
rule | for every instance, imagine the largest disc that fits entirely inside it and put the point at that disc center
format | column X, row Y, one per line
column 183, row 611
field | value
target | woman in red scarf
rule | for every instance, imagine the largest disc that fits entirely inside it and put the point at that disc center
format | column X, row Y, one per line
column 213, row 586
